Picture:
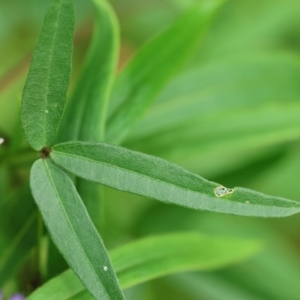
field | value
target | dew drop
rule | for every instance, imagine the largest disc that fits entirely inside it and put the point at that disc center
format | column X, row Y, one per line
column 221, row 191
column 105, row 268
column 2, row 140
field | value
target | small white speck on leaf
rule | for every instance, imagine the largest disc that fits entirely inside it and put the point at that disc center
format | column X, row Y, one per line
column 46, row 111
column 2, row 140
column 105, row 268
column 247, row 202
column 221, row 191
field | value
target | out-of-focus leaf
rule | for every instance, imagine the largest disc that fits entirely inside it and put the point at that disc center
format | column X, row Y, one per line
column 158, row 256
column 153, row 66
column 224, row 107
column 223, row 88
column 85, row 115
column 10, row 107
column 251, row 129
column 278, row 263
column 18, row 248
column 154, row 257
column 282, row 177
column 4, row 183
column 234, row 32
column 72, row 230
column 155, row 178
column 47, row 83
column 209, row 286
column 18, row 219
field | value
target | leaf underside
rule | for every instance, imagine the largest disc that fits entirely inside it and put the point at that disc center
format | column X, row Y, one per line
column 156, row 178
column 72, row 229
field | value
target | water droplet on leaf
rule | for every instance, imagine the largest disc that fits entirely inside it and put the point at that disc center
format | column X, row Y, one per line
column 105, row 268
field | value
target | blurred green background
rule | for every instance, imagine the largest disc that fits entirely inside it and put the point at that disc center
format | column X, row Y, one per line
column 232, row 115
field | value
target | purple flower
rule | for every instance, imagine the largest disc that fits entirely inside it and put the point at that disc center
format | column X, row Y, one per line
column 16, row 296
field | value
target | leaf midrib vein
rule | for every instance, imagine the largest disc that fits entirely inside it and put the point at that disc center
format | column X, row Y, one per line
column 48, row 75
column 69, row 222
column 158, row 180
column 126, row 170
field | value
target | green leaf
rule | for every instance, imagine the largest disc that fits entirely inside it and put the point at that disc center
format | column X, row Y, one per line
column 277, row 262
column 153, row 66
column 205, row 143
column 72, row 230
column 4, row 182
column 233, row 108
column 155, row 178
column 154, row 257
column 282, row 176
column 85, row 115
column 236, row 33
column 19, row 236
column 17, row 248
column 166, row 254
column 93, row 197
column 209, row 286
column 47, row 83
column 219, row 89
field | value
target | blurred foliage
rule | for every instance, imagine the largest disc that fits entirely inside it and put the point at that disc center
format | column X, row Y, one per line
column 232, row 115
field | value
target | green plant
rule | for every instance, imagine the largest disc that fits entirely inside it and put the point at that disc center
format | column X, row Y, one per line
column 83, row 139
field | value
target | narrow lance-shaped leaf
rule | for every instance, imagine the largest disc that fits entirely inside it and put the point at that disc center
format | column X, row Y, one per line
column 47, row 83
column 155, row 178
column 153, row 66
column 154, row 257
column 85, row 115
column 72, row 230
column 92, row 196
